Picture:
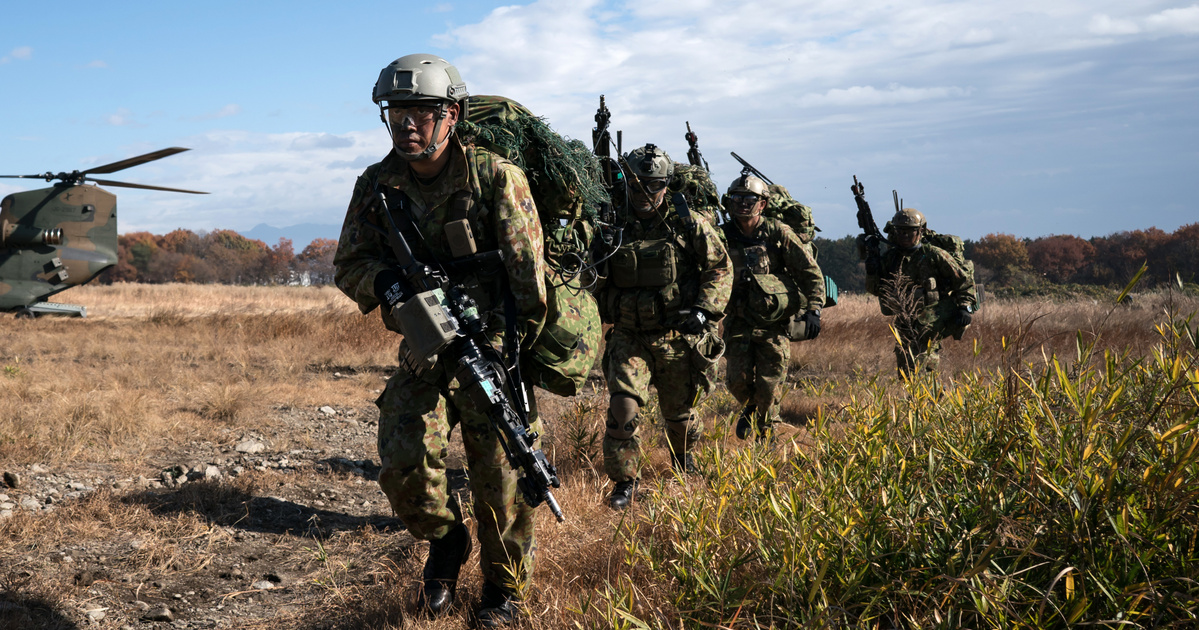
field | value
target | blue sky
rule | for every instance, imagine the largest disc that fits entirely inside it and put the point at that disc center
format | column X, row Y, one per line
column 1022, row 117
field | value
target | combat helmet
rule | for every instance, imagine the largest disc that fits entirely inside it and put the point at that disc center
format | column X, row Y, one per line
column 908, row 217
column 745, row 185
column 650, row 162
column 420, row 80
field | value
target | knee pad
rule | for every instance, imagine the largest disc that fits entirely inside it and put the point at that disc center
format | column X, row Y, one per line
column 685, row 431
column 622, row 416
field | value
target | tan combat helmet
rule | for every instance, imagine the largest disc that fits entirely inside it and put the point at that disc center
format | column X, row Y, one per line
column 748, row 184
column 908, row 217
column 415, row 80
column 742, row 186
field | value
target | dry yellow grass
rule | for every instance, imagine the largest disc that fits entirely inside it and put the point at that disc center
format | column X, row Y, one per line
column 168, row 364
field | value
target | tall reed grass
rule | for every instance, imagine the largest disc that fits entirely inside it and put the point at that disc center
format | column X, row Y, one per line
column 1056, row 492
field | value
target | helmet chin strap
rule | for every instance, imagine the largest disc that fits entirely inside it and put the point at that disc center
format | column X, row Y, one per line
column 434, row 145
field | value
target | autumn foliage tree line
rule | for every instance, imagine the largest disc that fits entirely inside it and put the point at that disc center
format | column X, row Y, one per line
column 1001, row 260
column 219, row 256
column 1004, row 260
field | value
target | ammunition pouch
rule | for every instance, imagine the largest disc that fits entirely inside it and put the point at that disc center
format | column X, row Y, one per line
column 649, row 263
column 562, row 356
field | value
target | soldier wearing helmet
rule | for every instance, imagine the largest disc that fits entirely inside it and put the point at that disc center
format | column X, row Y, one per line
column 930, row 293
column 775, row 276
column 665, row 289
column 429, row 180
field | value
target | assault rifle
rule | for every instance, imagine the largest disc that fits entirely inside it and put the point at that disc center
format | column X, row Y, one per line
column 601, row 141
column 871, row 236
column 747, row 168
column 441, row 319
column 693, row 155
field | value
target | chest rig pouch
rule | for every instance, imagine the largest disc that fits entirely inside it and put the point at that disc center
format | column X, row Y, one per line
column 766, row 298
column 645, row 264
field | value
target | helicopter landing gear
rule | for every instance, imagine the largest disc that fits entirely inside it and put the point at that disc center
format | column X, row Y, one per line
column 24, row 313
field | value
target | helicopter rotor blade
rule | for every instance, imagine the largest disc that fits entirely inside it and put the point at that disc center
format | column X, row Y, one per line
column 42, row 176
column 105, row 182
column 134, row 161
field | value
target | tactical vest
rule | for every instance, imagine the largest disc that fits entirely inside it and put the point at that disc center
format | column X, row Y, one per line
column 561, row 357
column 763, row 294
column 646, row 280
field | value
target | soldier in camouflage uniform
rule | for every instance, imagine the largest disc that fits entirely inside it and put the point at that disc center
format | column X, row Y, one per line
column 431, row 178
column 666, row 287
column 928, row 292
column 774, row 277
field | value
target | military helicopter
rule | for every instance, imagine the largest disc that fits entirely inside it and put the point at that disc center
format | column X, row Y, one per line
column 52, row 239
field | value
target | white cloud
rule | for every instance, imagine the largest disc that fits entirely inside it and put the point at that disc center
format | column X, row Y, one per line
column 1182, row 20
column 278, row 179
column 96, row 64
column 20, row 53
column 1104, row 25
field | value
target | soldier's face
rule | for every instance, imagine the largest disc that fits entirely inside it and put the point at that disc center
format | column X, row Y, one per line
column 649, row 195
column 908, row 237
column 746, row 205
column 412, row 127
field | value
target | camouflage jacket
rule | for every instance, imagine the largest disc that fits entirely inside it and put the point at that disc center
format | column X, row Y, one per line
column 502, row 217
column 925, row 282
column 774, row 274
column 635, row 295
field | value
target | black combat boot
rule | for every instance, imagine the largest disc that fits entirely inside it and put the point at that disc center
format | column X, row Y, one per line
column 745, row 422
column 622, row 494
column 446, row 556
column 683, row 462
column 497, row 607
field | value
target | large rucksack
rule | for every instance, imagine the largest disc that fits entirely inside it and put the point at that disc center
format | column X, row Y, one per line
column 798, row 217
column 564, row 178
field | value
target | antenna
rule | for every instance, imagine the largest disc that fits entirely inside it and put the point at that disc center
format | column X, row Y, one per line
column 895, row 195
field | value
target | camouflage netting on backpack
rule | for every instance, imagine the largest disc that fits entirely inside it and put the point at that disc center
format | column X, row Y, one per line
column 696, row 185
column 564, row 177
column 798, row 217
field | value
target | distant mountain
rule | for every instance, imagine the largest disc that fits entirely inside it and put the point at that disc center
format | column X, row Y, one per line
column 301, row 235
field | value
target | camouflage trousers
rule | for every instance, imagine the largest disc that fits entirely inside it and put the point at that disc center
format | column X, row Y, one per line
column 666, row 359
column 416, row 417
column 918, row 352
column 758, row 359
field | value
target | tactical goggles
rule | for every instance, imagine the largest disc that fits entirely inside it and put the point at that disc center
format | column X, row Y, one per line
column 744, row 199
column 652, row 186
column 418, row 114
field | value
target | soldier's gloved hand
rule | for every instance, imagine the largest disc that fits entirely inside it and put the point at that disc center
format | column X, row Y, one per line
column 695, row 321
column 390, row 289
column 964, row 316
column 812, row 320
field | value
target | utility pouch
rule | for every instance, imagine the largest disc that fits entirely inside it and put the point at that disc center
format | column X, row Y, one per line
column 931, row 295
column 562, row 356
column 458, row 233
column 704, row 356
column 772, row 299
column 650, row 263
column 427, row 326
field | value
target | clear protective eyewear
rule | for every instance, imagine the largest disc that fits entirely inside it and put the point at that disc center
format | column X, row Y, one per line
column 743, row 199
column 652, row 186
column 418, row 115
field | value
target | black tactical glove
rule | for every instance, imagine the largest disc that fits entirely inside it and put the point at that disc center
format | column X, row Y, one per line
column 964, row 317
column 390, row 289
column 812, row 320
column 694, row 323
